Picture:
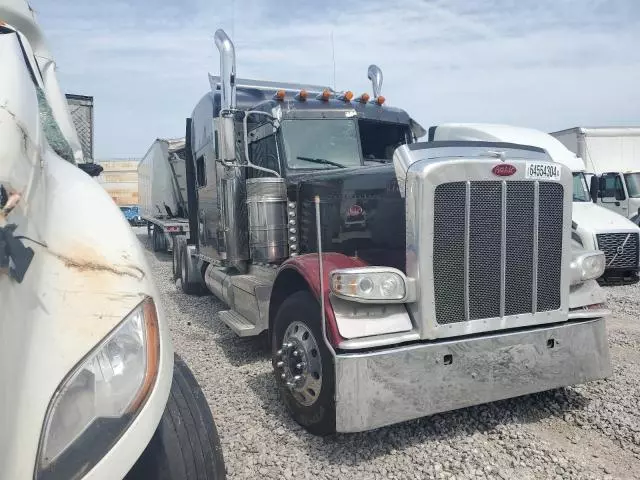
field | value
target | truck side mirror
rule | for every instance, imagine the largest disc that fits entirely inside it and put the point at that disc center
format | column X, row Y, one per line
column 602, row 184
column 593, row 188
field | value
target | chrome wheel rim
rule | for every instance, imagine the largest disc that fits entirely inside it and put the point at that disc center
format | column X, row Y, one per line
column 299, row 364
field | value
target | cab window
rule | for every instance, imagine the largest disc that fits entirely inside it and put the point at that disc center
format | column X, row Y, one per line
column 264, row 153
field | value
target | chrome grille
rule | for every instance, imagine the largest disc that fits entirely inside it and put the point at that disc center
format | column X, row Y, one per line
column 485, row 249
column 519, row 251
column 549, row 247
column 620, row 249
column 449, row 252
column 504, row 256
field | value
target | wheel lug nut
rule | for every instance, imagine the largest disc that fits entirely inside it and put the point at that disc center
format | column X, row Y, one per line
column 283, row 376
column 297, row 378
column 300, row 365
column 279, row 353
column 280, row 364
column 295, row 353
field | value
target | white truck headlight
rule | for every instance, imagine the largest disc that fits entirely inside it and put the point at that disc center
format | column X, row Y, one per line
column 100, row 398
column 372, row 285
column 587, row 266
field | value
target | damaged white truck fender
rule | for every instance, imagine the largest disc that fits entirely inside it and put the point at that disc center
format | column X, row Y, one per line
column 86, row 361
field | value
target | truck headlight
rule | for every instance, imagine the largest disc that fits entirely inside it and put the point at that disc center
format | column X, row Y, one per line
column 587, row 266
column 100, row 398
column 372, row 285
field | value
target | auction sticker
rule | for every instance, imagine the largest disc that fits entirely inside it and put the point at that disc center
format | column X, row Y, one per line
column 543, row 171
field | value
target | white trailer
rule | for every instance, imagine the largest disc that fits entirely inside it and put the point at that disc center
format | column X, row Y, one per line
column 162, row 192
column 594, row 227
column 612, row 157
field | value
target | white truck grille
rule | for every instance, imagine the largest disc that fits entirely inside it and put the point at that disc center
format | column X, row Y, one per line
column 620, row 249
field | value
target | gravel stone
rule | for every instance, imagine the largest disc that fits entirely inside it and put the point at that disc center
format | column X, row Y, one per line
column 585, row 432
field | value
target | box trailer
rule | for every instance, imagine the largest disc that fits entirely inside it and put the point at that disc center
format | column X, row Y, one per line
column 612, row 157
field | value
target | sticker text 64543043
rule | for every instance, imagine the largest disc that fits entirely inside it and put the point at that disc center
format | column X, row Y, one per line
column 543, row 171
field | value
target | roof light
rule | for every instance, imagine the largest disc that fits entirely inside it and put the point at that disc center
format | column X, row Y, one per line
column 346, row 96
column 279, row 95
column 380, row 100
column 364, row 98
column 325, row 95
column 302, row 95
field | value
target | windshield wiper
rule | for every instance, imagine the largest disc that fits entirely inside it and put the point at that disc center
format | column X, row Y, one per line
column 321, row 161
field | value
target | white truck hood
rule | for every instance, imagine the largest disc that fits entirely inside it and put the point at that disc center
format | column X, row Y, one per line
column 88, row 271
column 597, row 219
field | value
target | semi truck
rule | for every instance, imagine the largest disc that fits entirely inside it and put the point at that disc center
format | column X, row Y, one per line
column 91, row 388
column 594, row 227
column 393, row 278
column 612, row 159
column 162, row 191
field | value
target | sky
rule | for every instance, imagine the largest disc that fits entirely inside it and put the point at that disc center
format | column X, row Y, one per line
column 546, row 64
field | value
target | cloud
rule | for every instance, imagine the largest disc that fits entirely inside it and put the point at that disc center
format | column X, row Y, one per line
column 547, row 64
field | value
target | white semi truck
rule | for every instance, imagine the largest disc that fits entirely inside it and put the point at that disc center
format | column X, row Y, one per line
column 90, row 385
column 594, row 227
column 612, row 158
column 462, row 285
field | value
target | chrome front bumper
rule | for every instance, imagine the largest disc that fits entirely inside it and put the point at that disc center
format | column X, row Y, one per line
column 394, row 385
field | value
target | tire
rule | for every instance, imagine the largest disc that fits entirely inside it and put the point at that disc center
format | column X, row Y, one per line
column 318, row 417
column 156, row 239
column 179, row 242
column 185, row 445
column 159, row 240
column 190, row 288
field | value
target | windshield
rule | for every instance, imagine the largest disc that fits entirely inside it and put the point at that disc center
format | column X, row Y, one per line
column 321, row 143
column 380, row 139
column 580, row 189
column 633, row 184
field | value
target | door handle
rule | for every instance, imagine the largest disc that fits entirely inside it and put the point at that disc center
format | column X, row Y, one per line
column 617, row 204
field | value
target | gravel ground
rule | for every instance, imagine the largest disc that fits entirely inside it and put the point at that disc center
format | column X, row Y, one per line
column 586, row 432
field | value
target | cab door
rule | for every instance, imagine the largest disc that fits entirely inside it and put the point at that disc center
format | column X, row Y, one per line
column 613, row 194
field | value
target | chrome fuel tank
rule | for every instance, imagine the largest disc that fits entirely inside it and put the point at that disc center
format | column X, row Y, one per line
column 267, row 208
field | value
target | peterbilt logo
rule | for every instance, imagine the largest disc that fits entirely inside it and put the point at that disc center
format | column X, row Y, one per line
column 354, row 211
column 504, row 170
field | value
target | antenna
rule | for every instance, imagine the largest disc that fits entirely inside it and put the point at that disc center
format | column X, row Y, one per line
column 323, row 313
column 333, row 55
column 233, row 19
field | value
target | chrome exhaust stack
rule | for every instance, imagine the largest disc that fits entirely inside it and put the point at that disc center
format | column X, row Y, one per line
column 375, row 75
column 227, row 69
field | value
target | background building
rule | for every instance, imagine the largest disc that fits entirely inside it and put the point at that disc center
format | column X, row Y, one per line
column 120, row 179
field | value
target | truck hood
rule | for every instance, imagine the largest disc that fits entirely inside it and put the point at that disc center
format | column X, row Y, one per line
column 597, row 219
column 87, row 273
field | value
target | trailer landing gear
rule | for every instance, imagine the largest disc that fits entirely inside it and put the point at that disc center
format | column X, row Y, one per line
column 303, row 365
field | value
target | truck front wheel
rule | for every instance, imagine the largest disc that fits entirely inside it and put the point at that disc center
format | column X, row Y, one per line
column 303, row 365
column 186, row 443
